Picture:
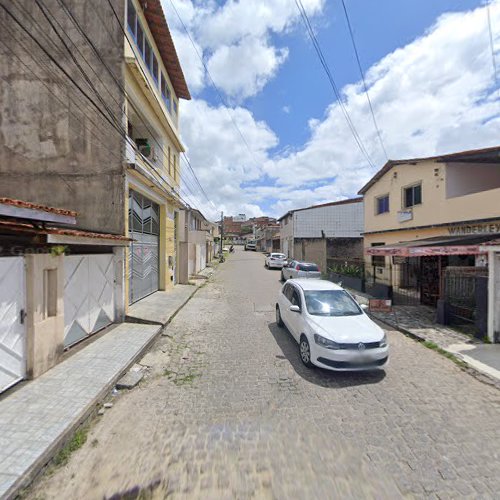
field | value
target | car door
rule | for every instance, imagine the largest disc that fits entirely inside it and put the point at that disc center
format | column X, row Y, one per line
column 288, row 270
column 295, row 318
column 284, row 303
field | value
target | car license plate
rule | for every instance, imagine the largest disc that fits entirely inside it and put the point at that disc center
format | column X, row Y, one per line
column 363, row 358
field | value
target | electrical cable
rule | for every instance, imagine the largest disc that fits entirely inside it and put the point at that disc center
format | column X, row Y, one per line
column 363, row 79
column 325, row 66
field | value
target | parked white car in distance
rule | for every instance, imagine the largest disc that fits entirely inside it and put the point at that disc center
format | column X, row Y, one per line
column 251, row 246
column 276, row 260
column 296, row 269
column 332, row 329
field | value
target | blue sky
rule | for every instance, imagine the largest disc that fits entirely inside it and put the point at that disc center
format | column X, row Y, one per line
column 423, row 54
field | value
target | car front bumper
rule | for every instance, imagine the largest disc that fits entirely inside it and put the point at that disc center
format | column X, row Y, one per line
column 349, row 360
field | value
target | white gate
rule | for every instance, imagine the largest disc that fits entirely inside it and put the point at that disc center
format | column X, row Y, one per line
column 88, row 295
column 12, row 327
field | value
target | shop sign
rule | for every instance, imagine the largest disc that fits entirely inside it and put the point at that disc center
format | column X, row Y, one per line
column 491, row 228
column 405, row 215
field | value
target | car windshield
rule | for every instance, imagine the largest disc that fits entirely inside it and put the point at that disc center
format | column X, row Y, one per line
column 330, row 303
column 277, row 256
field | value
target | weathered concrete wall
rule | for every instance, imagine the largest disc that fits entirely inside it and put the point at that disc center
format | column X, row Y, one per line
column 345, row 248
column 311, row 250
column 56, row 148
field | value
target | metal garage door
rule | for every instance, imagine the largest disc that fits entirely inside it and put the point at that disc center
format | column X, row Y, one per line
column 12, row 327
column 89, row 300
column 144, row 229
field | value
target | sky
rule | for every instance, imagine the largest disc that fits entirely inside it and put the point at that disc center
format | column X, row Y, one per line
column 264, row 132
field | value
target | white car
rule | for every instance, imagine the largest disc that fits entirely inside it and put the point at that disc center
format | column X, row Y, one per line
column 276, row 260
column 331, row 328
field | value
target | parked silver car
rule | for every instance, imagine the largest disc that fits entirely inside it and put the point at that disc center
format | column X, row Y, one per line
column 296, row 269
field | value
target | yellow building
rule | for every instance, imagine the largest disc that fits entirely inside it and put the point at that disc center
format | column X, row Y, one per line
column 154, row 83
column 425, row 219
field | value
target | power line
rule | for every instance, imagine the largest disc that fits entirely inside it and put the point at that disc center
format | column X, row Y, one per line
column 492, row 47
column 325, row 66
column 363, row 78
column 119, row 124
column 218, row 92
column 142, row 71
column 120, row 159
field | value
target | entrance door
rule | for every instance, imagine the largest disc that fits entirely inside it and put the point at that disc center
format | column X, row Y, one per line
column 430, row 272
column 88, row 295
column 144, row 229
column 12, row 327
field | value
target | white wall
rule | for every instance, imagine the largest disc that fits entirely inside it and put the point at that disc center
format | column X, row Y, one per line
column 339, row 221
column 467, row 178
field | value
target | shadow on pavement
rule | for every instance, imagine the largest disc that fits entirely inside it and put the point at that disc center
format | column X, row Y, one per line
column 316, row 375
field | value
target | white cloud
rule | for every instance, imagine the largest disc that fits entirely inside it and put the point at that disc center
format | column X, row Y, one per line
column 434, row 95
column 236, row 20
column 231, row 33
column 240, row 80
column 218, row 154
column 286, row 109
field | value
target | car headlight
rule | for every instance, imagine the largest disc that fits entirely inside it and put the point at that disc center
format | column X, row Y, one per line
column 327, row 343
column 383, row 342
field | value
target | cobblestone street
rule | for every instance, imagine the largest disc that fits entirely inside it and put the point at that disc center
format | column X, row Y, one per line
column 227, row 410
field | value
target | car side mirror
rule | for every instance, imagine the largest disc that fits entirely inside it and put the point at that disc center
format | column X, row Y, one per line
column 364, row 307
column 295, row 309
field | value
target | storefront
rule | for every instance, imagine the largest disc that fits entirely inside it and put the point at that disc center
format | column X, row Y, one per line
column 451, row 270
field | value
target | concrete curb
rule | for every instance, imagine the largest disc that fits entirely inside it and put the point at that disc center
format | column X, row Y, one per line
column 473, row 368
column 44, row 460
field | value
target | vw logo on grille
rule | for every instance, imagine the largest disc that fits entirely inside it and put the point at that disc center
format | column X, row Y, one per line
column 361, row 346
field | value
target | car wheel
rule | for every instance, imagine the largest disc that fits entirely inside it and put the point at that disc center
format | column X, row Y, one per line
column 279, row 321
column 305, row 351
column 282, row 276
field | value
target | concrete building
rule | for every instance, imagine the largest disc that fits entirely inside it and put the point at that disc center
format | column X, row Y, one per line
column 58, row 285
column 324, row 233
column 196, row 243
column 90, row 117
column 76, row 108
column 425, row 219
column 268, row 238
column 154, row 83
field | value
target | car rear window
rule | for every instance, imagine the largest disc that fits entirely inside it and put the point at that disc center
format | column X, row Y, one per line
column 308, row 267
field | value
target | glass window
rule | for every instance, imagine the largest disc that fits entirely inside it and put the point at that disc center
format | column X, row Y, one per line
column 412, row 196
column 382, row 204
column 165, row 91
column 331, row 303
column 147, row 53
column 308, row 267
column 155, row 68
column 295, row 298
column 131, row 18
column 140, row 38
column 175, row 106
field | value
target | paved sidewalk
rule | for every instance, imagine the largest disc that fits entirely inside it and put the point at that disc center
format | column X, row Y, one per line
column 419, row 321
column 38, row 417
column 159, row 307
